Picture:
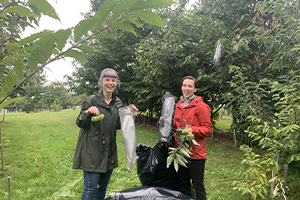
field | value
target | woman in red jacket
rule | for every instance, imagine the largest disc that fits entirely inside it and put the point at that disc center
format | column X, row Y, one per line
column 197, row 114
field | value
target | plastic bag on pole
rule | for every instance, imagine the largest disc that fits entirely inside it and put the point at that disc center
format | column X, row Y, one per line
column 127, row 115
column 218, row 54
column 165, row 133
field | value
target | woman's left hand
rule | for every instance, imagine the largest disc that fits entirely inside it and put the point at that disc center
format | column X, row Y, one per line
column 190, row 130
column 135, row 109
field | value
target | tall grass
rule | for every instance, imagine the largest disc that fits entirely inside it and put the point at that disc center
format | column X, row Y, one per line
column 38, row 154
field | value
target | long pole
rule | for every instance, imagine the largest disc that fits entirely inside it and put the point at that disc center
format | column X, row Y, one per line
column 9, row 179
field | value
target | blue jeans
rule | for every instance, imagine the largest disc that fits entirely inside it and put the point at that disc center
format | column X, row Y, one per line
column 95, row 185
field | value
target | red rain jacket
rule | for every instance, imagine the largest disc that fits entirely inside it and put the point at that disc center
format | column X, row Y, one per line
column 196, row 114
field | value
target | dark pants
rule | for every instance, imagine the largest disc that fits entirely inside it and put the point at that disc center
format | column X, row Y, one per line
column 95, row 185
column 195, row 171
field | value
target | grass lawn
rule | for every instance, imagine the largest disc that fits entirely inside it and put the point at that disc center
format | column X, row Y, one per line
column 38, row 150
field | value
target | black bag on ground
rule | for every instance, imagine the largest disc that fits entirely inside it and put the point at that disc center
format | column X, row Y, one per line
column 149, row 193
column 152, row 167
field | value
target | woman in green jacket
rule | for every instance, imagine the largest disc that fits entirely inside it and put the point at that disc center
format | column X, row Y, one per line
column 96, row 150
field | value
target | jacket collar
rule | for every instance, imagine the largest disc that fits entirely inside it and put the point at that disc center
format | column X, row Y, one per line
column 100, row 98
column 188, row 101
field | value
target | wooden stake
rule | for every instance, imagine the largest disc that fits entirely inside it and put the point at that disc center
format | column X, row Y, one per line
column 1, row 157
column 9, row 179
column 285, row 173
column 234, row 131
column 234, row 137
column 273, row 183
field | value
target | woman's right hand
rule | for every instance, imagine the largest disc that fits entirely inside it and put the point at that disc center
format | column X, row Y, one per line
column 160, row 119
column 92, row 110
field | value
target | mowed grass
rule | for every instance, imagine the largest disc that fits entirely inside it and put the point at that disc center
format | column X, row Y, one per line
column 224, row 123
column 38, row 150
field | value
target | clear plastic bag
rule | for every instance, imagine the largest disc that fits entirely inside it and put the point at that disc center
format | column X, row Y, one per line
column 218, row 54
column 127, row 115
column 165, row 133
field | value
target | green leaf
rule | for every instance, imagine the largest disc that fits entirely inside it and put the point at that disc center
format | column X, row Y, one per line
column 121, row 7
column 65, row 190
column 18, row 68
column 61, row 37
column 35, row 58
column 47, row 43
column 20, row 10
column 45, row 8
column 104, row 35
column 140, row 5
column 12, row 47
column 83, row 27
column 41, row 54
column 136, row 22
column 86, row 47
column 170, row 160
column 28, row 48
column 124, row 26
column 33, row 37
column 7, row 59
column 10, row 80
column 7, row 102
column 2, row 15
column 76, row 54
column 103, row 13
column 149, row 17
column 175, row 165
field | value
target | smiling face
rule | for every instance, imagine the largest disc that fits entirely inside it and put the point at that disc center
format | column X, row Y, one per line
column 188, row 88
column 108, row 84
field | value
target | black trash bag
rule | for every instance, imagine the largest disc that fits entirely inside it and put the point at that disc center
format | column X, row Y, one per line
column 165, row 130
column 152, row 167
column 149, row 193
column 146, row 163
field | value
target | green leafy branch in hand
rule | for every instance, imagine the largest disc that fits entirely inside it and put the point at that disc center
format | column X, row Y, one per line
column 182, row 154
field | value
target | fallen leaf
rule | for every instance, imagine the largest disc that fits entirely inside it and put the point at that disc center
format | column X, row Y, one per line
column 8, row 141
column 35, row 160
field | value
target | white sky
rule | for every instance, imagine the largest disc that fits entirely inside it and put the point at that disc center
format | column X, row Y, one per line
column 69, row 14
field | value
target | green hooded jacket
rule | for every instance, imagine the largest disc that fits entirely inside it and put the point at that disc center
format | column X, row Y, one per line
column 96, row 149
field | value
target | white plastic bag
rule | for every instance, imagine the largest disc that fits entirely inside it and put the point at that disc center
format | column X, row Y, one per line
column 165, row 133
column 127, row 115
column 218, row 54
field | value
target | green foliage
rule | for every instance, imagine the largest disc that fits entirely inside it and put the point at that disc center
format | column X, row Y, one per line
column 37, row 49
column 256, row 177
column 278, row 135
column 56, row 105
column 182, row 154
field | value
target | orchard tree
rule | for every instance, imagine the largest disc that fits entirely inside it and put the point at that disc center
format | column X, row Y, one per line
column 24, row 57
